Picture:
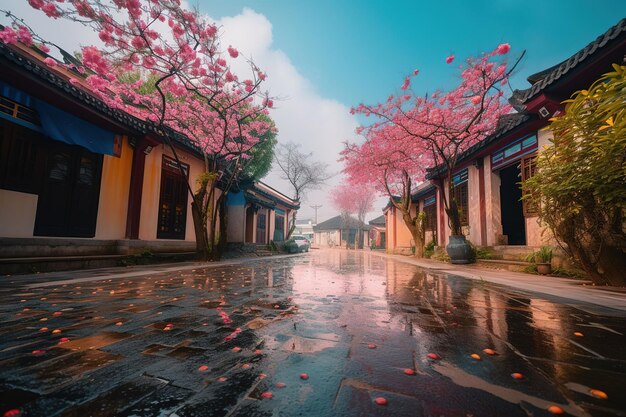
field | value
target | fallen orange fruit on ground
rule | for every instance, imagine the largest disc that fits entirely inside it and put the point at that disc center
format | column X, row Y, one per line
column 555, row 409
column 475, row 356
column 517, row 375
column 489, row 351
column 599, row 394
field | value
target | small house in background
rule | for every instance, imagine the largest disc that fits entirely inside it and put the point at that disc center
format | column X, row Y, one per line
column 340, row 231
column 258, row 215
column 378, row 233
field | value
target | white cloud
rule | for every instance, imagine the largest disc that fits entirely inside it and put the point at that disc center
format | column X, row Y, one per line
column 302, row 116
column 319, row 124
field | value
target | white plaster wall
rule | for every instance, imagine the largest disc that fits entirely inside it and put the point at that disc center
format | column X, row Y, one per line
column 543, row 139
column 322, row 238
column 17, row 213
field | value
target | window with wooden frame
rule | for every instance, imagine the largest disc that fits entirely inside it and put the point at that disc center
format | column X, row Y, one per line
column 430, row 209
column 172, row 219
column 528, row 167
column 460, row 194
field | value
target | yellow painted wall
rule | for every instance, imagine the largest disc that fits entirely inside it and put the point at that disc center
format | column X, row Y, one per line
column 114, row 187
column 152, row 189
column 17, row 213
column 472, row 232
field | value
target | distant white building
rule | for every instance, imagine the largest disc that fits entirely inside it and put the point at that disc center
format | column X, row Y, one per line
column 304, row 228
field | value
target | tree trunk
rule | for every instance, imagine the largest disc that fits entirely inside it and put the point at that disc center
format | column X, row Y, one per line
column 293, row 225
column 202, row 244
column 454, row 217
column 223, row 237
column 416, row 227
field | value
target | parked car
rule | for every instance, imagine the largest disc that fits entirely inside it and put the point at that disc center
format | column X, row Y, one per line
column 297, row 243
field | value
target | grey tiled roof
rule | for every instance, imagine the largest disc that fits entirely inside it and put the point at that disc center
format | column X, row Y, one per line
column 339, row 223
column 378, row 221
column 547, row 77
column 506, row 124
column 63, row 86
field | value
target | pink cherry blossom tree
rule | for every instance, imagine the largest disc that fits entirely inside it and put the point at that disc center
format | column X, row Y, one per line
column 392, row 163
column 442, row 125
column 165, row 64
column 355, row 199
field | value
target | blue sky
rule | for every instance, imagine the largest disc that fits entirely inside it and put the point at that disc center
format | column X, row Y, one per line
column 357, row 51
column 353, row 51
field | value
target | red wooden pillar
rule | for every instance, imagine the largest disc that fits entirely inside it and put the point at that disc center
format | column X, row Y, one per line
column 142, row 148
column 442, row 218
column 482, row 202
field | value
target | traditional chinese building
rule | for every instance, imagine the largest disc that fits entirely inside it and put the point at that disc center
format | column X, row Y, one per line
column 82, row 184
column 259, row 215
column 488, row 175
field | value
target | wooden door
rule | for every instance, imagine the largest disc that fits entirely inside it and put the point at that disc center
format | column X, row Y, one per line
column 261, row 225
column 172, row 218
column 68, row 200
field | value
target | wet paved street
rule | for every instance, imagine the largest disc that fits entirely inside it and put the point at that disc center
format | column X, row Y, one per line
column 330, row 333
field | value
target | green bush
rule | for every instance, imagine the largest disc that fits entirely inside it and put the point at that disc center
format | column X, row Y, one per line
column 579, row 186
column 429, row 249
column 440, row 254
column 290, row 246
column 541, row 256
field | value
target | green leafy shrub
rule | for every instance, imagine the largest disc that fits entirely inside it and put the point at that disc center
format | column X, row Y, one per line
column 579, row 186
column 429, row 249
column 541, row 256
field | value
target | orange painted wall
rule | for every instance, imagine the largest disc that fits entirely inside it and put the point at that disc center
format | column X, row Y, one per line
column 398, row 235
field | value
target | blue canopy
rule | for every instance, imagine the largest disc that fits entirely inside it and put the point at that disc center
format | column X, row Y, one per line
column 60, row 125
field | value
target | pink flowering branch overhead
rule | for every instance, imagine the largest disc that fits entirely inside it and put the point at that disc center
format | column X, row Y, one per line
column 433, row 130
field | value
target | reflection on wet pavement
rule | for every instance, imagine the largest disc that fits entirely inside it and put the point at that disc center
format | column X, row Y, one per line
column 376, row 337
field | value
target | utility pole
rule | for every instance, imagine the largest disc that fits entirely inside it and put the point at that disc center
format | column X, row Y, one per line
column 315, row 208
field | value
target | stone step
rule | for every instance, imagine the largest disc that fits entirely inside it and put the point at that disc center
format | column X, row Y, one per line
column 35, row 264
column 509, row 265
column 511, row 253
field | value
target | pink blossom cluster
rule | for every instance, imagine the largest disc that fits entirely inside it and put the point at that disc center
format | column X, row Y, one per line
column 411, row 133
column 148, row 40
